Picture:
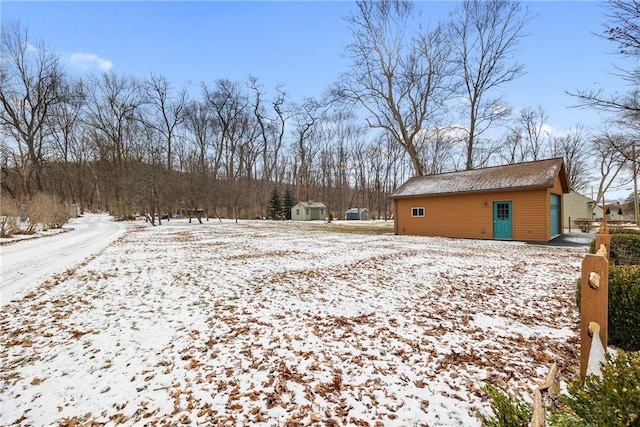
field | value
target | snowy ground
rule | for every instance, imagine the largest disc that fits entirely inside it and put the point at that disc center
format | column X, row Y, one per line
column 273, row 323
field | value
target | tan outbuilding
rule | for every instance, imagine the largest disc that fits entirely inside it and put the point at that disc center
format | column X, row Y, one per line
column 521, row 201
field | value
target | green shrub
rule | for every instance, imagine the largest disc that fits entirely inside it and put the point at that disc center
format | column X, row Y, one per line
column 610, row 400
column 625, row 249
column 624, row 231
column 624, row 306
column 507, row 412
column 625, row 246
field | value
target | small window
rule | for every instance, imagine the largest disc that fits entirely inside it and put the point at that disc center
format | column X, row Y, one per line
column 297, row 211
column 417, row 211
column 502, row 211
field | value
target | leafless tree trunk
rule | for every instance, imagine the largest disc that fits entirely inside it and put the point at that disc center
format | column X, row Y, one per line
column 485, row 34
column 308, row 143
column 402, row 82
column 30, row 78
column 65, row 130
column 532, row 124
column 200, row 125
column 437, row 145
column 624, row 30
column 169, row 109
column 575, row 149
column 609, row 148
column 271, row 127
column 112, row 103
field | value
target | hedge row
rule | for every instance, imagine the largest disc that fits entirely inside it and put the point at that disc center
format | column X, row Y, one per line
column 624, row 231
column 624, row 306
column 625, row 247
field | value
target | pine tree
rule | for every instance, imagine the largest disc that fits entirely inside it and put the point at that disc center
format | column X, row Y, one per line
column 287, row 204
column 275, row 206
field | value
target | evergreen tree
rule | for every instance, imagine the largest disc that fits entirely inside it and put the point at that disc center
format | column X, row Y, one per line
column 275, row 205
column 287, row 204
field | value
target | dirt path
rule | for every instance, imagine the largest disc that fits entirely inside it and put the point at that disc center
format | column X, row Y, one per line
column 24, row 265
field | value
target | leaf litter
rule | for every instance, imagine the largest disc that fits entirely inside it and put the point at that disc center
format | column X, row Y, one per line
column 271, row 323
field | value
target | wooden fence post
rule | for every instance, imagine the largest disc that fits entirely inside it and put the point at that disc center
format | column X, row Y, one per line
column 604, row 239
column 594, row 300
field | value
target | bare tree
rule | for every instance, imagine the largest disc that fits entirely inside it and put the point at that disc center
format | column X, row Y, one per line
column 237, row 134
column 111, row 107
column 532, row 125
column 576, row 151
column 201, row 129
column 610, row 148
column 513, row 150
column 335, row 134
column 167, row 113
column 65, row 130
column 308, row 143
column 402, row 82
column 169, row 107
column 622, row 28
column 485, row 34
column 527, row 139
column 437, row 144
column 272, row 125
column 270, row 118
column 30, row 77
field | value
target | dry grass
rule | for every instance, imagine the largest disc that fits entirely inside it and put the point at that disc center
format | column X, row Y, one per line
column 40, row 212
column 341, row 227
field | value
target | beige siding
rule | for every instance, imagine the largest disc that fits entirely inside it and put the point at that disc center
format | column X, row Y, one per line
column 576, row 206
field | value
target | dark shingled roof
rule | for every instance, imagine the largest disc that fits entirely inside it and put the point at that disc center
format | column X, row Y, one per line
column 539, row 174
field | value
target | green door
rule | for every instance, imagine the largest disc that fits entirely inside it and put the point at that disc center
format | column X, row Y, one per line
column 502, row 220
column 555, row 215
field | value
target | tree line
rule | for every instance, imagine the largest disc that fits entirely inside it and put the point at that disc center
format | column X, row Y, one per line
column 145, row 146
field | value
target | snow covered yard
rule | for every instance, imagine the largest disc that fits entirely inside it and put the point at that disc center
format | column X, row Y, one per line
column 287, row 324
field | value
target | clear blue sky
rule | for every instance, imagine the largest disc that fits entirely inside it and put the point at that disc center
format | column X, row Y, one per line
column 300, row 44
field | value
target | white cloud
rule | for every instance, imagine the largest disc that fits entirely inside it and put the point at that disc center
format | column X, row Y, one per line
column 551, row 131
column 87, row 61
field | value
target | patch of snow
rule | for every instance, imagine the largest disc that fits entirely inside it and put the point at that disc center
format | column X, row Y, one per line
column 24, row 264
column 266, row 322
column 596, row 356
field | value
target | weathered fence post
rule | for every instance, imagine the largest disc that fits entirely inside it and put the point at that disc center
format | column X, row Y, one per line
column 594, row 303
column 603, row 237
column 550, row 388
column 594, row 300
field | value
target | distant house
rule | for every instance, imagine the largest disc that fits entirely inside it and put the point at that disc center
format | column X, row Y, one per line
column 576, row 206
column 520, row 201
column 307, row 211
column 615, row 212
column 357, row 214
